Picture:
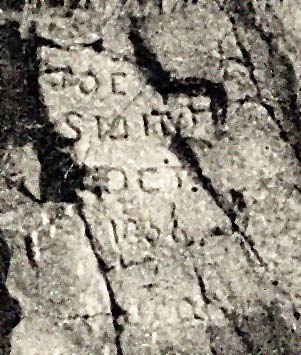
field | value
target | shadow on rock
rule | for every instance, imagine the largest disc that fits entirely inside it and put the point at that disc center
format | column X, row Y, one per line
column 263, row 332
column 10, row 310
column 25, row 117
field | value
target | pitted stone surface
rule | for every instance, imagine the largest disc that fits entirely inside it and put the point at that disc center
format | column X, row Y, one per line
column 150, row 190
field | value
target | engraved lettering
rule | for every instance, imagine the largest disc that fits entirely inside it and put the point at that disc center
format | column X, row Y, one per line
column 117, row 129
column 158, row 123
column 146, row 185
column 117, row 80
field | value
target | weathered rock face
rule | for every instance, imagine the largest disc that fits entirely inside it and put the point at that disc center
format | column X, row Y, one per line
column 150, row 183
column 55, row 278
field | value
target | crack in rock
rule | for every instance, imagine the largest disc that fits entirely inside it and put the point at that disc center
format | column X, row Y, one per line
column 116, row 310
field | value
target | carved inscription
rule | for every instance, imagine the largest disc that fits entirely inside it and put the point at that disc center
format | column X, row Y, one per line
column 73, row 120
column 106, row 179
column 117, row 80
column 115, row 129
column 161, row 124
column 135, row 239
column 149, row 180
column 190, row 121
column 63, row 78
column 158, row 123
column 137, row 228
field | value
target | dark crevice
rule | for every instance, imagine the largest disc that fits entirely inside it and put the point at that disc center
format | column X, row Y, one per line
column 10, row 310
column 283, row 80
column 283, row 134
column 202, row 287
column 238, row 199
column 297, row 188
column 186, row 155
column 174, row 222
column 297, row 315
column 251, row 244
column 25, row 118
column 247, row 253
column 116, row 309
column 243, row 335
column 16, row 5
column 155, row 75
column 47, row 42
column 159, row 3
column 191, row 86
column 60, row 176
column 24, row 190
column 88, row 3
column 74, row 4
column 97, row 45
column 125, row 265
column 184, row 152
column 217, row 231
column 55, row 3
column 263, row 331
column 29, row 251
column 160, row 79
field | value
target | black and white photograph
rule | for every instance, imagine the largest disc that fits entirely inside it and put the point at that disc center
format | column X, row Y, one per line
column 150, row 187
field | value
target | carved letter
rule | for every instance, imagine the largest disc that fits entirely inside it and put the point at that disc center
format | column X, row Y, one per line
column 115, row 83
column 142, row 183
column 160, row 124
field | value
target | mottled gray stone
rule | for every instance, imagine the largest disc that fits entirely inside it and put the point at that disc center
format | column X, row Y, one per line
column 184, row 236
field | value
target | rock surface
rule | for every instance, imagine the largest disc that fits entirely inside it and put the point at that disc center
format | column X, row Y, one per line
column 150, row 193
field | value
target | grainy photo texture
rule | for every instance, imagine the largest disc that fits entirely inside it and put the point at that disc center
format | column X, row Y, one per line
column 150, row 198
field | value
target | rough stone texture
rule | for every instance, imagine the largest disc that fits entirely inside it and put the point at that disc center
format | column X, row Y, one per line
column 150, row 177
